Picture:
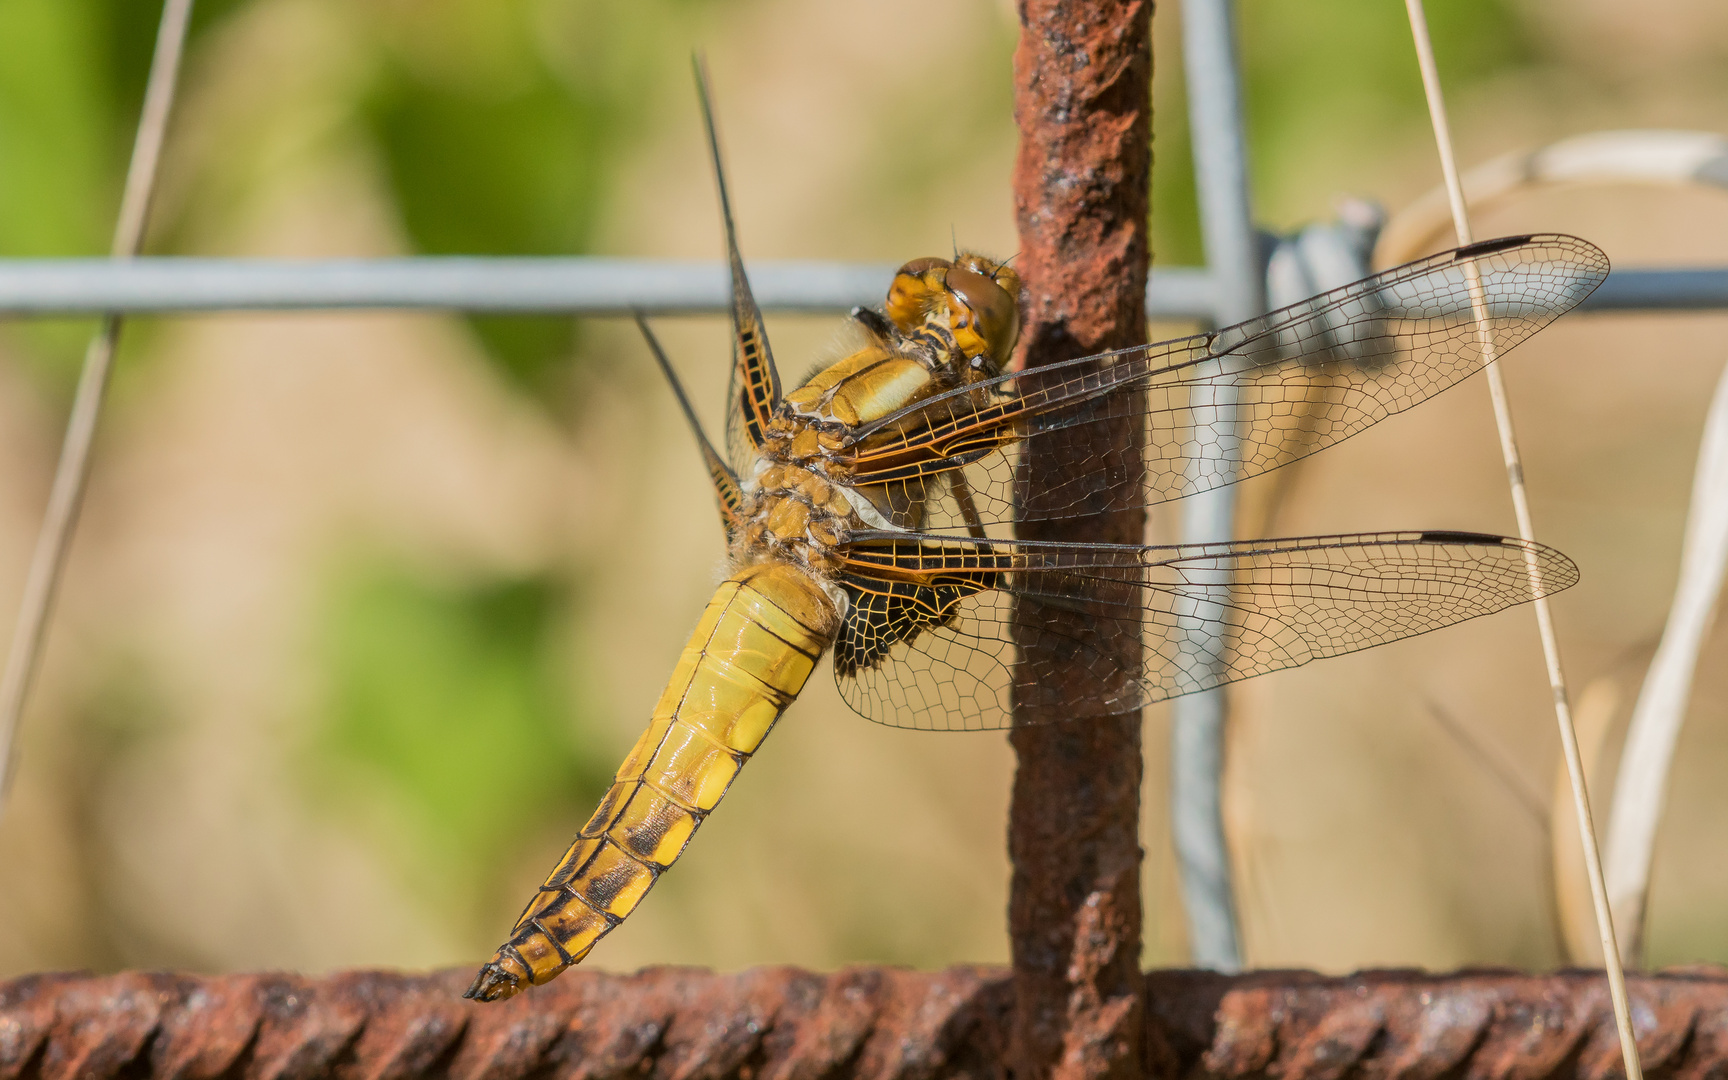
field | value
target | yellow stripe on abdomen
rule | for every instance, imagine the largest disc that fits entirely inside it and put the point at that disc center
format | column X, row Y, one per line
column 749, row 656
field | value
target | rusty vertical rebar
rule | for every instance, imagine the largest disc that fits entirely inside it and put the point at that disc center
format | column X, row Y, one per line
column 1083, row 103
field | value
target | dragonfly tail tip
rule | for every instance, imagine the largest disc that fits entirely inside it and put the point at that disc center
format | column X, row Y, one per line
column 492, row 983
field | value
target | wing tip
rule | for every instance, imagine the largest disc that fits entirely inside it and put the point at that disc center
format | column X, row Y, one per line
column 1589, row 255
column 1459, row 536
column 1489, row 247
column 1558, row 572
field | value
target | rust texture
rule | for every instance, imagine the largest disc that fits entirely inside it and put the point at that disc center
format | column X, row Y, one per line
column 1082, row 101
column 685, row 1024
column 669, row 1022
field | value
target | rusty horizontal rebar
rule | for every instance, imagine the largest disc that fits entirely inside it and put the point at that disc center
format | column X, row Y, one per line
column 864, row 1022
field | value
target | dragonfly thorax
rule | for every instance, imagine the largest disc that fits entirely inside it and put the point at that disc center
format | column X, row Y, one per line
column 794, row 514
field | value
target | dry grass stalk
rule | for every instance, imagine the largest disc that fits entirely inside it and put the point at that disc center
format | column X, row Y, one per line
column 66, row 495
column 1526, row 530
column 1593, row 720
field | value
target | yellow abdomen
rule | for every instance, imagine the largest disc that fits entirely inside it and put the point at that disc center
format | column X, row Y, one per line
column 749, row 657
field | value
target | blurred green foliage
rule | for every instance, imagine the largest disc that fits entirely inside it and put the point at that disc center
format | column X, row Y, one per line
column 448, row 712
column 494, row 139
column 61, row 87
column 1318, row 77
column 1321, row 74
column 71, row 85
column 55, row 111
column 488, row 151
column 496, row 121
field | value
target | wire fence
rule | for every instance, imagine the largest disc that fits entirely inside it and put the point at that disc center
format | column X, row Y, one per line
column 600, row 286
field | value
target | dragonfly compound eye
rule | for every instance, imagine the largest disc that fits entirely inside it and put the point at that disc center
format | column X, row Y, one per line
column 917, row 290
column 986, row 316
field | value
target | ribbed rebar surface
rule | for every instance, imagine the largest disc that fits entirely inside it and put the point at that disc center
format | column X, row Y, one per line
column 867, row 1022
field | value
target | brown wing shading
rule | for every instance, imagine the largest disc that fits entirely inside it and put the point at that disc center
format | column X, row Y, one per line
column 883, row 614
column 1219, row 407
column 948, row 633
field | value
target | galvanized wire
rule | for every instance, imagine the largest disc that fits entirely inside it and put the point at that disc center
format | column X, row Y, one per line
column 1236, row 263
column 573, row 285
column 603, row 286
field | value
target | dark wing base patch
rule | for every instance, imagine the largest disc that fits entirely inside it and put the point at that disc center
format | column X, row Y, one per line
column 881, row 614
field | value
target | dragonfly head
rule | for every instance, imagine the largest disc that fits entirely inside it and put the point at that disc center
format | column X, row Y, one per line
column 976, row 299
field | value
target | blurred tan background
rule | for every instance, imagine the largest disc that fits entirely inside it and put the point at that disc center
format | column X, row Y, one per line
column 366, row 608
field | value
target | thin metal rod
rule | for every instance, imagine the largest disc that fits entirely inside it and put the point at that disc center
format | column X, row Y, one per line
column 596, row 285
column 1701, row 288
column 574, row 285
column 67, row 493
column 1526, row 530
column 1233, row 258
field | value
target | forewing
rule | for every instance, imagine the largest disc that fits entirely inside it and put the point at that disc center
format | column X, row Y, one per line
column 753, row 390
column 1219, row 407
column 1070, row 631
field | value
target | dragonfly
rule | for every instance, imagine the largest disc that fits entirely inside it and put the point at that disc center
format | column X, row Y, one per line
column 889, row 511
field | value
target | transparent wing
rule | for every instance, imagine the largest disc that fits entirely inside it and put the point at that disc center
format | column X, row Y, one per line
column 753, row 390
column 1212, row 409
column 949, row 633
